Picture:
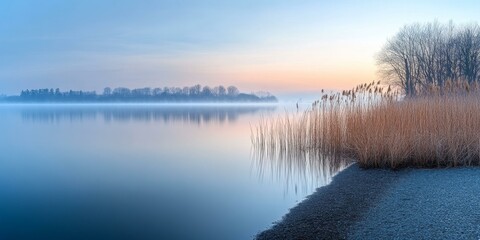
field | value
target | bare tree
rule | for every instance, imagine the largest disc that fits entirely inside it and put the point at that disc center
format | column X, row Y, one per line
column 232, row 91
column 420, row 55
column 106, row 91
column 468, row 48
column 397, row 59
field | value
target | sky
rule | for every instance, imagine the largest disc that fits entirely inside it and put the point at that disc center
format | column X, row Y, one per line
column 278, row 46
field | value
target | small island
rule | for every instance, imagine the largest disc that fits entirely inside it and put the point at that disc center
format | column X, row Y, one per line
column 192, row 94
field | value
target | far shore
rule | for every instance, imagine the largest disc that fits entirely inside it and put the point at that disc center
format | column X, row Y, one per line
column 385, row 204
column 145, row 103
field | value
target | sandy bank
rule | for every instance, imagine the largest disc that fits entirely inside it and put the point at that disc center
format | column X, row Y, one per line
column 384, row 204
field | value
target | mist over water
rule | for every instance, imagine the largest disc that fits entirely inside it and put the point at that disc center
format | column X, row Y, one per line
column 142, row 172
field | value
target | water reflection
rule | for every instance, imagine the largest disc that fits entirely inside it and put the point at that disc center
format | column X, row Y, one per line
column 145, row 113
column 302, row 170
column 113, row 172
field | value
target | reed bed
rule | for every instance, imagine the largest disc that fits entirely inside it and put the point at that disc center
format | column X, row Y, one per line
column 377, row 127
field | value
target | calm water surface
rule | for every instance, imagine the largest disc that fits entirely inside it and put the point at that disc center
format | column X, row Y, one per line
column 141, row 172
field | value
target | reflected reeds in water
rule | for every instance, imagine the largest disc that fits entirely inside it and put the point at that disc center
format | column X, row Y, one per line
column 300, row 168
column 300, row 172
column 141, row 113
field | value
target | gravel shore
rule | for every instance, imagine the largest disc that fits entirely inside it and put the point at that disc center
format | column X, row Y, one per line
column 385, row 204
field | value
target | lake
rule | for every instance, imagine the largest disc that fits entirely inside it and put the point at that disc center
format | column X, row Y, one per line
column 142, row 172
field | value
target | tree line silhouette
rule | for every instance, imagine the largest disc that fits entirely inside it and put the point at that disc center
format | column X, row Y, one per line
column 422, row 55
column 195, row 93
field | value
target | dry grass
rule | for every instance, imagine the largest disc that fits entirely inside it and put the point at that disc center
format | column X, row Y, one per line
column 377, row 127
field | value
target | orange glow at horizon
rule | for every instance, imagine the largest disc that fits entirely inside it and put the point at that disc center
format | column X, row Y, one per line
column 296, row 69
column 289, row 79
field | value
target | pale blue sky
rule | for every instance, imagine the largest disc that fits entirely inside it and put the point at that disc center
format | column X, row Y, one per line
column 279, row 46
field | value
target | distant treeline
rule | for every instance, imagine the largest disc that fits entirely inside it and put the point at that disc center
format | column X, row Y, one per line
column 174, row 94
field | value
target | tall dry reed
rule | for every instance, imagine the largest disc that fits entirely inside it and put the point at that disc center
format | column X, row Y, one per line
column 378, row 127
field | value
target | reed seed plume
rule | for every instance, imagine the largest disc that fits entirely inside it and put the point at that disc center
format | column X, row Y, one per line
column 376, row 126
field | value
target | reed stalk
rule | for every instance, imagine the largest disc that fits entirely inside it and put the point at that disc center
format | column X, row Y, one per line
column 377, row 127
